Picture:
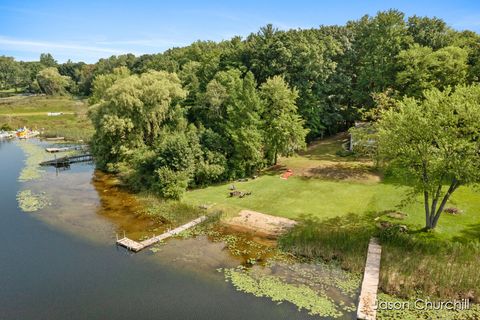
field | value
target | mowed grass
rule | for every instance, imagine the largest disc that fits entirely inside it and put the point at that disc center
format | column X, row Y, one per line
column 299, row 196
column 31, row 112
column 339, row 210
column 313, row 195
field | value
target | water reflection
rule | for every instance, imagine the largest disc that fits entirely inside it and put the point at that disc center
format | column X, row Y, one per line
column 91, row 206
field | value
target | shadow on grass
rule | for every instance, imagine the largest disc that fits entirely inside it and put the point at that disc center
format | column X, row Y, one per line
column 470, row 233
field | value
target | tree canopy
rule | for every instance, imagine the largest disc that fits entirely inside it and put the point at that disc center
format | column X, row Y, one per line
column 238, row 104
column 434, row 143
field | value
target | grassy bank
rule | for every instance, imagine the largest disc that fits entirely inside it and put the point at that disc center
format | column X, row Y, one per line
column 32, row 112
column 341, row 202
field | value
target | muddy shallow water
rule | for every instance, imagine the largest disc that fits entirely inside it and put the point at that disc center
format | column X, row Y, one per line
column 61, row 262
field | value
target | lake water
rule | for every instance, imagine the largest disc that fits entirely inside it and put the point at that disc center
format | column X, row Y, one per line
column 61, row 262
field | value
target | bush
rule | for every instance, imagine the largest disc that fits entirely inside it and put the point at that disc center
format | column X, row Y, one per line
column 171, row 184
column 344, row 153
column 6, row 127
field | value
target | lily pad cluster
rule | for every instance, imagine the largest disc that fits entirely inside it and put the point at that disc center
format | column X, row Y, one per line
column 31, row 202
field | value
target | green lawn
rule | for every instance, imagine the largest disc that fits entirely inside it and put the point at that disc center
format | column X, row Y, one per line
column 323, row 198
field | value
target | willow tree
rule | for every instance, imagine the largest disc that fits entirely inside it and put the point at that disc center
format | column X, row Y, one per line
column 132, row 114
column 51, row 82
column 434, row 144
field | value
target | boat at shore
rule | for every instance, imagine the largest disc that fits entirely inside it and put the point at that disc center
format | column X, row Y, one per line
column 25, row 133
column 7, row 135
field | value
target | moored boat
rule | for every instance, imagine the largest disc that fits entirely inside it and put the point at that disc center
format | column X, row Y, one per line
column 25, row 133
column 6, row 135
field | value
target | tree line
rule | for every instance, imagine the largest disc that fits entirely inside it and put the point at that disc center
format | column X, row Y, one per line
column 335, row 69
column 213, row 111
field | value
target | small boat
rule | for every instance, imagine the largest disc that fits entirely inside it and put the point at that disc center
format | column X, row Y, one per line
column 25, row 133
column 6, row 135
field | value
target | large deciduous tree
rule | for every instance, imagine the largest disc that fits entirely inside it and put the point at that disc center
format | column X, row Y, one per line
column 284, row 132
column 131, row 115
column 51, row 82
column 421, row 69
column 377, row 42
column 434, row 143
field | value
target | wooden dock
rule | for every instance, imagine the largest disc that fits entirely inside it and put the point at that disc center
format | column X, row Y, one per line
column 55, row 139
column 65, row 149
column 66, row 161
column 368, row 296
column 137, row 246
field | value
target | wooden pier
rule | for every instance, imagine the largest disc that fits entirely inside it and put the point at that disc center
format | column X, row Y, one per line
column 66, row 161
column 137, row 246
column 367, row 303
column 65, row 149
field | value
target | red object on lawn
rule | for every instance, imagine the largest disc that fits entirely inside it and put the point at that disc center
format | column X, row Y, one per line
column 287, row 174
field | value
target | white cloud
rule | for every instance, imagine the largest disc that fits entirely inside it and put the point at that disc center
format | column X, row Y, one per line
column 155, row 43
column 46, row 46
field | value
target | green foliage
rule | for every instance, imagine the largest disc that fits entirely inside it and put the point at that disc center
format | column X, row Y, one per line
column 102, row 82
column 51, row 82
column 434, row 142
column 269, row 286
column 6, row 127
column 9, row 71
column 31, row 202
column 284, row 132
column 378, row 41
column 47, row 60
column 347, row 245
column 34, row 154
column 436, row 267
column 423, row 69
column 132, row 114
column 429, row 32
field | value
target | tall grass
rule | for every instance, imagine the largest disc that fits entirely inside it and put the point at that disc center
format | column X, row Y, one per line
column 341, row 239
column 424, row 263
column 412, row 262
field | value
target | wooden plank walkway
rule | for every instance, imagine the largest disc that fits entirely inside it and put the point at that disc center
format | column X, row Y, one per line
column 368, row 296
column 64, row 149
column 137, row 246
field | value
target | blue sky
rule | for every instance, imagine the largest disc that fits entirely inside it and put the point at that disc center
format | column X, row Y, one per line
column 88, row 30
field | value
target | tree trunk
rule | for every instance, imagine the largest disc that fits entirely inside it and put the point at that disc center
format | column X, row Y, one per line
column 427, row 209
column 433, row 215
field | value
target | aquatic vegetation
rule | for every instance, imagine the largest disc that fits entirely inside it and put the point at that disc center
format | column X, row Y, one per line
column 34, row 155
column 30, row 202
column 280, row 291
column 322, row 276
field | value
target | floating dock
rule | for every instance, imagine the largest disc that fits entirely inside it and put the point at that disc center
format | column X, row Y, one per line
column 135, row 246
column 66, row 161
column 367, row 303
